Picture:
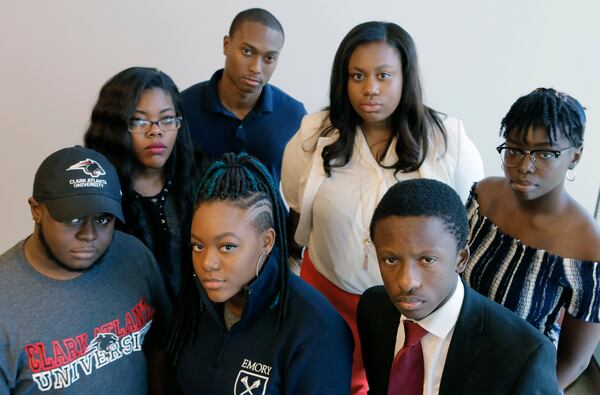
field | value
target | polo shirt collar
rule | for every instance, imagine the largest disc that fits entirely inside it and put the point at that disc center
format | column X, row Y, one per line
column 211, row 100
column 212, row 103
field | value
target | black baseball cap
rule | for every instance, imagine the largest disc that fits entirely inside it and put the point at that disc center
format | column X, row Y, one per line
column 75, row 182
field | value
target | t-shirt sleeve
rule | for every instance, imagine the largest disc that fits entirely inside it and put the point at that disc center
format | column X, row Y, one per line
column 4, row 366
column 12, row 355
column 583, row 280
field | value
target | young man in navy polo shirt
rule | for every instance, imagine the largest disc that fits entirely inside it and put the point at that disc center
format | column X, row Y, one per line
column 237, row 110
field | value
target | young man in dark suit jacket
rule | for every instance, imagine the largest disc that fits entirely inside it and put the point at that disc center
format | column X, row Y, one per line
column 457, row 341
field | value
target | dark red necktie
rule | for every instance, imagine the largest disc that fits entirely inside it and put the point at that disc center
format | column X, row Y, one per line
column 406, row 375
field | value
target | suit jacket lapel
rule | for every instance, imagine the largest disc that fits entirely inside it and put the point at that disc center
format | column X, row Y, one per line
column 392, row 317
column 463, row 350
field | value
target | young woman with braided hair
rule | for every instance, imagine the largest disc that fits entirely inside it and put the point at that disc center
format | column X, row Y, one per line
column 243, row 321
column 534, row 249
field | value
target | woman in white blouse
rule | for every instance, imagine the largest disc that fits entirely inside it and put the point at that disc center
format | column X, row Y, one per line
column 375, row 133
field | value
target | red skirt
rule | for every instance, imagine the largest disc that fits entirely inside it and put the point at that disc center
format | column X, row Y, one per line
column 345, row 303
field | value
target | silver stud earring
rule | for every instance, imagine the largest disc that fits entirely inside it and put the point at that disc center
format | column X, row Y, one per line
column 571, row 175
column 258, row 263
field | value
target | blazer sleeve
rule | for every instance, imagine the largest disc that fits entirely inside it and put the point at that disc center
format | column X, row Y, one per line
column 538, row 375
column 377, row 322
column 366, row 345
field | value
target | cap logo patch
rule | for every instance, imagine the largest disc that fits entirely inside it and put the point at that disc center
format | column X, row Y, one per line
column 89, row 167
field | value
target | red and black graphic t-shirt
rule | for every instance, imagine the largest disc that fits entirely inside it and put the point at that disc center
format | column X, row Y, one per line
column 81, row 336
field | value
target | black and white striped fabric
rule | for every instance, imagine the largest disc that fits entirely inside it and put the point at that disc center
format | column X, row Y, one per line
column 528, row 281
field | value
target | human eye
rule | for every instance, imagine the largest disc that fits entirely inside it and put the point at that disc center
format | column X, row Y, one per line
column 104, row 220
column 384, row 76
column 357, row 76
column 271, row 59
column 137, row 124
column 228, row 247
column 513, row 151
column 246, row 51
column 429, row 260
column 169, row 121
column 197, row 247
column 74, row 221
column 390, row 260
column 545, row 155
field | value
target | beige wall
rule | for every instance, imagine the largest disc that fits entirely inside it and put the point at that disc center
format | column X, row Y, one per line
column 477, row 57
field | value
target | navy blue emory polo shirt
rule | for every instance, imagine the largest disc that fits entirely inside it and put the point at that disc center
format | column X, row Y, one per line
column 263, row 133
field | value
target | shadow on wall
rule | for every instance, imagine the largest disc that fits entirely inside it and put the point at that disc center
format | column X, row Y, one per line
column 597, row 210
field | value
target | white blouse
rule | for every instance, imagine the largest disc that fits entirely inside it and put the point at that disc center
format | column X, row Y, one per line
column 335, row 212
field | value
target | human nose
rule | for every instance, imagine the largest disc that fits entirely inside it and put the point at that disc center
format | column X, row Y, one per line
column 87, row 231
column 527, row 163
column 208, row 261
column 154, row 130
column 255, row 66
column 407, row 277
column 371, row 87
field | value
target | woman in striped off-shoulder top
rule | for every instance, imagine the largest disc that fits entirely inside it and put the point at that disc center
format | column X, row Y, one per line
column 534, row 249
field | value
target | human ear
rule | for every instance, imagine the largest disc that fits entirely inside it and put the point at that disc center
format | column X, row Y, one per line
column 36, row 210
column 576, row 157
column 461, row 259
column 268, row 240
column 226, row 41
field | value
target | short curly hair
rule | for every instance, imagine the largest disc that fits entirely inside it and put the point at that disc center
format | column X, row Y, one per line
column 557, row 112
column 424, row 197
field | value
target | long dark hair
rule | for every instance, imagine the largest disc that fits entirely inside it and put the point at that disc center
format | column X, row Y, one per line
column 109, row 135
column 243, row 181
column 411, row 119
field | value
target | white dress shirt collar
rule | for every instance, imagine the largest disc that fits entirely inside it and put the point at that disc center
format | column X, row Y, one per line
column 440, row 324
column 441, row 321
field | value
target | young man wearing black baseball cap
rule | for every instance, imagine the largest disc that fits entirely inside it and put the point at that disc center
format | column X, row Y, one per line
column 77, row 298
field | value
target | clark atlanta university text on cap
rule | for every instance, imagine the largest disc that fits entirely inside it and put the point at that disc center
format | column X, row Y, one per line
column 75, row 182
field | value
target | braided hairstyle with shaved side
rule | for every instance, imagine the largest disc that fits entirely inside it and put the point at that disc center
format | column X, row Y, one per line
column 244, row 182
column 555, row 111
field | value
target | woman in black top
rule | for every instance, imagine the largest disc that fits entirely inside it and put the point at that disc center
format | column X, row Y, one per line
column 138, row 124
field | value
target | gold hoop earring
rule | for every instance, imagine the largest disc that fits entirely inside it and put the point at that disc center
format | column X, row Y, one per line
column 258, row 262
column 571, row 175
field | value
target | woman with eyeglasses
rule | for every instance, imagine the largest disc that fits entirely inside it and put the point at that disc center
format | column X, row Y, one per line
column 137, row 124
column 534, row 249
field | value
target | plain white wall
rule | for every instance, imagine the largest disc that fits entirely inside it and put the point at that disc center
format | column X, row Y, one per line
column 476, row 58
